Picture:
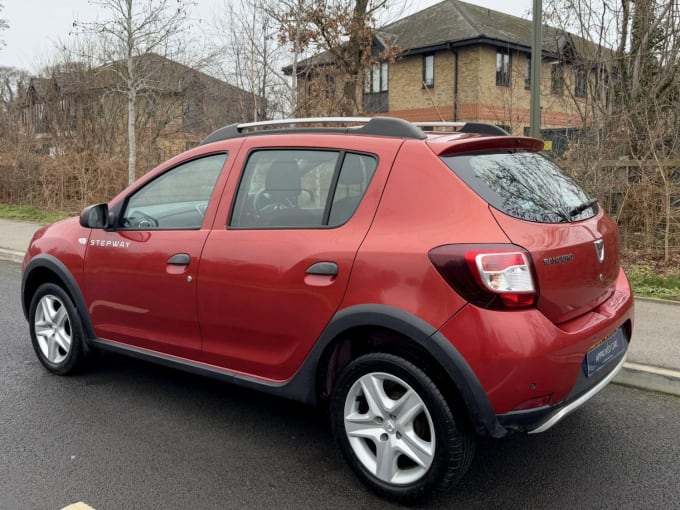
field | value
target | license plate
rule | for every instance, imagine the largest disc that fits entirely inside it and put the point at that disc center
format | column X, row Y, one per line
column 604, row 352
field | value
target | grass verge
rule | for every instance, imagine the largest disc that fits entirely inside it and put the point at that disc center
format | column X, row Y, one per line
column 30, row 213
column 649, row 283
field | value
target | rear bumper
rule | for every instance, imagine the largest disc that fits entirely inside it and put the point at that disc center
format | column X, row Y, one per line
column 534, row 372
column 539, row 420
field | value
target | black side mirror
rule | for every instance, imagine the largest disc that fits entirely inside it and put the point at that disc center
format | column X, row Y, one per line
column 95, row 216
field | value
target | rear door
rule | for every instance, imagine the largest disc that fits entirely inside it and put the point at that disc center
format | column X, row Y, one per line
column 573, row 244
column 276, row 265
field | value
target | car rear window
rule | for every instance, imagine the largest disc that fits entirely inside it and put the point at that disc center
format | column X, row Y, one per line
column 524, row 185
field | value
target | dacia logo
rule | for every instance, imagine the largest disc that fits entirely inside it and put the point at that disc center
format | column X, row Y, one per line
column 599, row 250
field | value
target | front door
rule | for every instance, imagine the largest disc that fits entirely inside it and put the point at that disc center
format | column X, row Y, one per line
column 140, row 278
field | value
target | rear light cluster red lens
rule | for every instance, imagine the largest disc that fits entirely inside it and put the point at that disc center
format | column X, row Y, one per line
column 494, row 276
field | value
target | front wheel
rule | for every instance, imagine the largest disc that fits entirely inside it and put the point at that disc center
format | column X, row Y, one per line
column 56, row 330
column 396, row 430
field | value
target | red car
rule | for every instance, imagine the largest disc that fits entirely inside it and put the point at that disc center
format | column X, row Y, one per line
column 426, row 286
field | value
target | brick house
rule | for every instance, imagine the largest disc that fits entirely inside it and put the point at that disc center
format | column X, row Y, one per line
column 463, row 62
column 177, row 109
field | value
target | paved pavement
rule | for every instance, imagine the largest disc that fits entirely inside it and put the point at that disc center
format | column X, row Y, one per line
column 653, row 357
column 14, row 239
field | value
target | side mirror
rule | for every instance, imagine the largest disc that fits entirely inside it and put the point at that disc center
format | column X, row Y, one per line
column 95, row 216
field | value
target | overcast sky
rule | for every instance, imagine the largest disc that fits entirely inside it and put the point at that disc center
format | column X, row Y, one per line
column 35, row 26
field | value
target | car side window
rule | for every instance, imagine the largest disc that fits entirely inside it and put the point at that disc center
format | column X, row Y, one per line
column 284, row 188
column 355, row 175
column 293, row 188
column 177, row 199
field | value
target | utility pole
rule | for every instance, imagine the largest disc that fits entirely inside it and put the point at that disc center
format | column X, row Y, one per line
column 536, row 52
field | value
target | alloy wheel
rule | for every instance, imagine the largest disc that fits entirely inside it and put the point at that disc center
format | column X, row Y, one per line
column 52, row 327
column 389, row 428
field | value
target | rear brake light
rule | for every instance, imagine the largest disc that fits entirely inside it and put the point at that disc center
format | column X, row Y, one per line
column 491, row 276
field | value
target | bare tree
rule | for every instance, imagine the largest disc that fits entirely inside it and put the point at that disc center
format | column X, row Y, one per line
column 250, row 56
column 634, row 91
column 258, row 38
column 13, row 84
column 133, row 31
column 344, row 30
column 293, row 32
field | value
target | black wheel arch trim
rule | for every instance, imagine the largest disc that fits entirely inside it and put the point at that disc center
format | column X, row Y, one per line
column 53, row 264
column 479, row 408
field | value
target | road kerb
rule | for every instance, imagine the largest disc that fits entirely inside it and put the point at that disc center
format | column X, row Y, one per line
column 11, row 255
column 650, row 378
column 657, row 300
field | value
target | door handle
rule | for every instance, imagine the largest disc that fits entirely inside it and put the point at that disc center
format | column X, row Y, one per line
column 323, row 269
column 179, row 259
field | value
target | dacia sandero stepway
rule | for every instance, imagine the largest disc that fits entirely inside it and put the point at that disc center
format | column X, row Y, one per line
column 427, row 284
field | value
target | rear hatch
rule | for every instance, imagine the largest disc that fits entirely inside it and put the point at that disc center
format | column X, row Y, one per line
column 574, row 245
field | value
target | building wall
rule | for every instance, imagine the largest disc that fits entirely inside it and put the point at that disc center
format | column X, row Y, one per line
column 407, row 91
column 95, row 118
column 479, row 98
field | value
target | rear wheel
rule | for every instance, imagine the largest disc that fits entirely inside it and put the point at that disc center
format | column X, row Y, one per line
column 396, row 430
column 56, row 330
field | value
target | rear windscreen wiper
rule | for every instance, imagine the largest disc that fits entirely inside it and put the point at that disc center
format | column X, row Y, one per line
column 580, row 208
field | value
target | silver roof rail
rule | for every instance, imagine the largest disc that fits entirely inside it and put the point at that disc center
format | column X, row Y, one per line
column 376, row 126
column 439, row 124
column 465, row 127
column 307, row 120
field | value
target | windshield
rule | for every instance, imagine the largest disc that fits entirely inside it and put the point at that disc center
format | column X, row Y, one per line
column 525, row 185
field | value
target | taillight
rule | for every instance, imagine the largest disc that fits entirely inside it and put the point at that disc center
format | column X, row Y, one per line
column 496, row 276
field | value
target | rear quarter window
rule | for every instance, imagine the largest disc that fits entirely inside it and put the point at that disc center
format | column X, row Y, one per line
column 524, row 185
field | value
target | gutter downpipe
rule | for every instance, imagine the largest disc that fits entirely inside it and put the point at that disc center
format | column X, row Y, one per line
column 536, row 61
column 454, row 52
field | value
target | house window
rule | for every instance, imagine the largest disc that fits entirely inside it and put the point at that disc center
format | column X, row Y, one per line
column 189, row 111
column 375, row 98
column 581, row 85
column 557, row 79
column 375, row 80
column 329, row 88
column 503, row 67
column 527, row 73
column 39, row 117
column 67, row 114
column 428, row 71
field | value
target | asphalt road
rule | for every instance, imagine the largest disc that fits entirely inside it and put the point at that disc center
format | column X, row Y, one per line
column 130, row 435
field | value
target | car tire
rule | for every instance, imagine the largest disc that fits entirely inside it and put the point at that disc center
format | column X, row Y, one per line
column 396, row 430
column 56, row 330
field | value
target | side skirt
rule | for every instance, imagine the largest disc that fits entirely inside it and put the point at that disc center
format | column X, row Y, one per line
column 276, row 388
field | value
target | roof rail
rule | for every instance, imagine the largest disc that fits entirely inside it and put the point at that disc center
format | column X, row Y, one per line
column 466, row 127
column 380, row 126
